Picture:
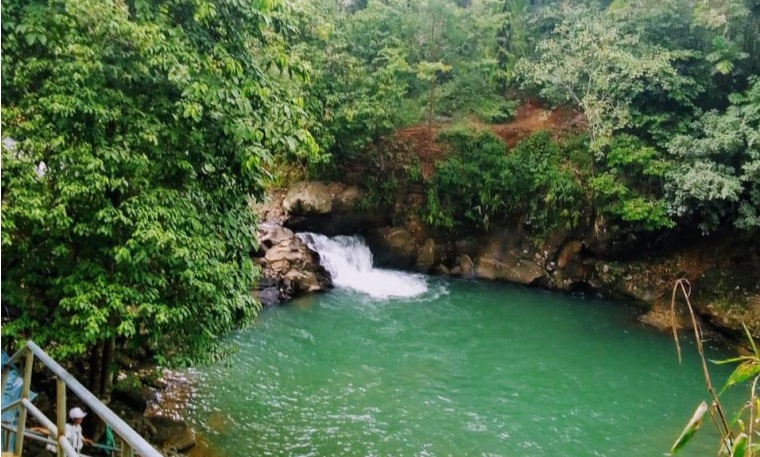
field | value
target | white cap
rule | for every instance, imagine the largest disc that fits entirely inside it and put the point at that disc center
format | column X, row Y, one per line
column 77, row 413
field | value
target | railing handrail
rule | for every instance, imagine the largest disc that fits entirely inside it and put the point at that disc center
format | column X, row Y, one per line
column 121, row 428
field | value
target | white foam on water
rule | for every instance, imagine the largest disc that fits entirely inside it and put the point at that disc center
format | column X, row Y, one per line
column 349, row 261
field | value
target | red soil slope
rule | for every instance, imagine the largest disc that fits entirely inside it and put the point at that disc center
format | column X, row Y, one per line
column 529, row 118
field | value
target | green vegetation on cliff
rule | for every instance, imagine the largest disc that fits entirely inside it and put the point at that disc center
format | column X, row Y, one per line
column 666, row 93
column 487, row 187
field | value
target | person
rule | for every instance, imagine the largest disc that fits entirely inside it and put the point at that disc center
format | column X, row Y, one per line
column 72, row 431
column 14, row 384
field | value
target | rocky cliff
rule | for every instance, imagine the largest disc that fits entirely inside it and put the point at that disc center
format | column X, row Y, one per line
column 724, row 271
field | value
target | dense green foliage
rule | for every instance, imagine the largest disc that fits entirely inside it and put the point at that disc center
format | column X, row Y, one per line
column 627, row 188
column 665, row 89
column 354, row 97
column 717, row 167
column 138, row 132
column 378, row 66
column 471, row 183
column 594, row 63
column 641, row 73
column 482, row 186
column 479, row 185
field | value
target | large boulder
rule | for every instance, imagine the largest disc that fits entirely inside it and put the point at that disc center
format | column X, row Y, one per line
column 521, row 271
column 393, row 247
column 730, row 294
column 505, row 259
column 345, row 198
column 268, row 296
column 172, row 434
column 466, row 266
column 308, row 198
column 329, row 208
column 271, row 235
column 288, row 267
column 426, row 256
column 660, row 316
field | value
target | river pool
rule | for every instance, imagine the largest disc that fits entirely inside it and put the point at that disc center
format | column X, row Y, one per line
column 454, row 368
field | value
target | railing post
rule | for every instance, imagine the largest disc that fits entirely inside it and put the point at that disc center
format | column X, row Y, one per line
column 60, row 412
column 6, row 370
column 6, row 435
column 132, row 439
column 21, row 426
column 6, row 445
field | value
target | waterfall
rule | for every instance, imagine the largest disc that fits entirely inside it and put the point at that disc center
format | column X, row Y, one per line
column 349, row 261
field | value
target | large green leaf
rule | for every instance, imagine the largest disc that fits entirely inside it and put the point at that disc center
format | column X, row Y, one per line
column 742, row 373
column 739, row 449
column 691, row 428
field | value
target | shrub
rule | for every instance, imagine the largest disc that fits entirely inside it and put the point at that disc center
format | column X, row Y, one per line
column 480, row 184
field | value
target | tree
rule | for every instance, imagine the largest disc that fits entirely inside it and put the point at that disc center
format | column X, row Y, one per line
column 139, row 131
column 359, row 75
column 429, row 72
column 469, row 43
column 392, row 63
column 725, row 18
column 717, row 178
column 592, row 63
column 628, row 188
column 511, row 40
column 478, row 186
column 664, row 22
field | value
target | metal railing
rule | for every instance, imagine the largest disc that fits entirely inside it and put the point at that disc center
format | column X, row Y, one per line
column 133, row 443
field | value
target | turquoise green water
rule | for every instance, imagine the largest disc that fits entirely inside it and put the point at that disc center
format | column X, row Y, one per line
column 466, row 369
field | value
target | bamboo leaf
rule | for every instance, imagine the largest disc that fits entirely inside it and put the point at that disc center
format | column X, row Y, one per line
column 691, row 428
column 742, row 373
column 751, row 340
column 739, row 448
column 732, row 360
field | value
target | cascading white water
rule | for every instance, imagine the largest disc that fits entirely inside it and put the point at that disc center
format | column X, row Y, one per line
column 349, row 261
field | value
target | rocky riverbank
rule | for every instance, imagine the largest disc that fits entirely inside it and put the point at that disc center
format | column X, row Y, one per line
column 288, row 267
column 724, row 271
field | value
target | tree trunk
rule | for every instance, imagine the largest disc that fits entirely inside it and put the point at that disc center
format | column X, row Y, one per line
column 430, row 103
column 436, row 53
column 432, row 80
column 96, row 367
column 107, row 369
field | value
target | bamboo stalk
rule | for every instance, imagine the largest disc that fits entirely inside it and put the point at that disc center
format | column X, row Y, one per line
column 752, row 412
column 725, row 433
